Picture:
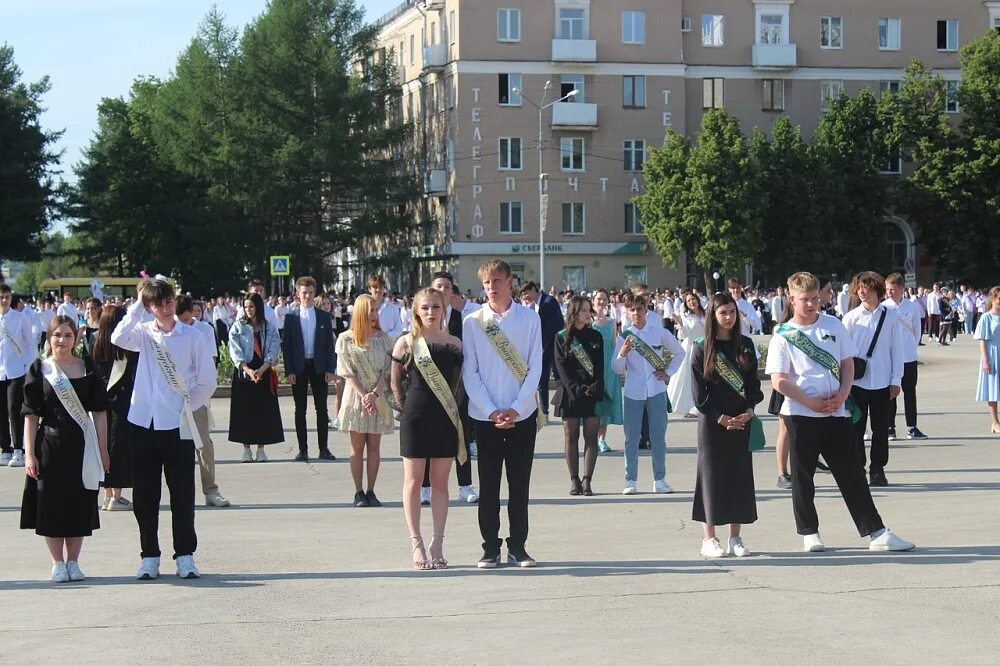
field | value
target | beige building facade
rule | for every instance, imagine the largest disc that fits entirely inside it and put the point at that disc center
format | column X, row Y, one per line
column 501, row 91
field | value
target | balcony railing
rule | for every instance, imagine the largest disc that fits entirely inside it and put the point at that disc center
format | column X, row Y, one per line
column 774, row 56
column 436, row 182
column 574, row 115
column 435, row 56
column 574, row 50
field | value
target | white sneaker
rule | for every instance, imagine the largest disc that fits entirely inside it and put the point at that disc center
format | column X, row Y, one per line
column 216, row 499
column 17, row 459
column 473, row 450
column 149, row 569
column 738, row 548
column 629, row 488
column 468, row 494
column 887, row 541
column 711, row 548
column 247, row 456
column 662, row 487
column 812, row 543
column 425, row 496
column 5, row 458
column 186, row 567
column 74, row 572
column 59, row 573
column 261, row 456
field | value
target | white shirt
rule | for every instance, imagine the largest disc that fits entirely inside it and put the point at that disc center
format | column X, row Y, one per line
column 406, row 316
column 934, row 302
column 279, row 313
column 488, row 381
column 667, row 308
column 748, row 316
column 390, row 320
column 153, row 401
column 208, row 331
column 307, row 320
column 69, row 310
column 827, row 333
column 17, row 346
column 640, row 383
column 221, row 313
column 843, row 302
column 908, row 315
column 778, row 306
column 470, row 307
column 46, row 317
column 626, row 320
column 885, row 367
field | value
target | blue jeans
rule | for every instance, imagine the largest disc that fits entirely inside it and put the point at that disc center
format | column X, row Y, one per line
column 656, row 407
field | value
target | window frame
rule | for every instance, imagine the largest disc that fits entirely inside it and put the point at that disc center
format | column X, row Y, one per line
column 571, row 154
column 630, row 150
column 783, row 18
column 634, row 78
column 451, row 27
column 633, row 216
column 951, row 97
column 510, row 89
column 721, row 31
column 718, row 93
column 823, row 84
column 948, row 23
column 510, row 206
column 829, row 20
column 768, row 101
column 633, row 14
column 893, row 170
column 571, row 22
column 509, row 153
column 890, row 21
column 572, row 217
column 509, row 13
column 413, row 49
column 888, row 86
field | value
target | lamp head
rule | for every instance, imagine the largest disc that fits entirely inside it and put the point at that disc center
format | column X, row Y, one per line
column 572, row 93
column 517, row 91
column 548, row 85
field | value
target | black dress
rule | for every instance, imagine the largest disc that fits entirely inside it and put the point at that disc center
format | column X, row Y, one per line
column 119, row 429
column 570, row 400
column 425, row 429
column 57, row 504
column 724, row 489
column 254, row 416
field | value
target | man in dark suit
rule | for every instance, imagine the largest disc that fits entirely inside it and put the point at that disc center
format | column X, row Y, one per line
column 551, row 315
column 310, row 361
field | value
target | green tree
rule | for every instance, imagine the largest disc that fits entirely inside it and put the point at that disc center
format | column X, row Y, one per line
column 27, row 159
column 58, row 258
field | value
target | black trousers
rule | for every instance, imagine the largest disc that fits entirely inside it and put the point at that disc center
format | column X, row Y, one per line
column 513, row 448
column 909, row 396
column 157, row 454
column 11, row 420
column 317, row 382
column 222, row 331
column 543, row 381
column 934, row 325
column 874, row 406
column 833, row 438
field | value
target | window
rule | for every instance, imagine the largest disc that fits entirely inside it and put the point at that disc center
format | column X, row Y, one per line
column 571, row 23
column 634, row 92
column 712, row 95
column 831, row 32
column 951, row 97
column 570, row 82
column 510, row 153
column 711, row 30
column 635, row 154
column 413, row 49
column 632, row 223
column 771, row 29
column 888, row 34
column 947, row 35
column 511, row 220
column 893, row 162
column 433, row 33
column 829, row 91
column 888, row 87
column 634, row 274
column 899, row 248
column 451, row 27
column 774, row 95
column 573, row 218
column 575, row 277
column 633, row 27
column 572, row 154
column 686, row 24
column 508, row 25
column 401, row 60
column 506, row 95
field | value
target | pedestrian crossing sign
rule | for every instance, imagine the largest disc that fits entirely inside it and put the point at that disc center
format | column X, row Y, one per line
column 281, row 265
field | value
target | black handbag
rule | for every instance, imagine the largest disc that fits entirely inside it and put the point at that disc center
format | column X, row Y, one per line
column 861, row 364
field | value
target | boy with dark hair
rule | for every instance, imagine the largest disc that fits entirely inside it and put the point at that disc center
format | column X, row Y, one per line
column 909, row 316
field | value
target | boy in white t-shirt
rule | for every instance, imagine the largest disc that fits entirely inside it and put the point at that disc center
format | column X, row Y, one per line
column 811, row 362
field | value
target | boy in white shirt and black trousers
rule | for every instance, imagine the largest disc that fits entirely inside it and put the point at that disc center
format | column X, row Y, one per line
column 175, row 376
column 909, row 315
column 811, row 362
column 17, row 351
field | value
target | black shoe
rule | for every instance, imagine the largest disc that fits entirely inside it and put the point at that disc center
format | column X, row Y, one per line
column 372, row 499
column 785, row 481
column 892, row 433
column 575, row 487
column 644, row 444
column 914, row 433
column 877, row 479
column 519, row 557
column 326, row 454
column 489, row 560
column 360, row 499
column 302, row 456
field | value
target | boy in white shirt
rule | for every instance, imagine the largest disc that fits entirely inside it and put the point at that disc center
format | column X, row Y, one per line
column 909, row 315
column 17, row 351
column 811, row 362
column 174, row 377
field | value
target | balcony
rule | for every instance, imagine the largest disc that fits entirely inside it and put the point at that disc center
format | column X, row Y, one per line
column 436, row 183
column 574, row 116
column 774, row 56
column 435, row 56
column 574, row 50
column 432, row 5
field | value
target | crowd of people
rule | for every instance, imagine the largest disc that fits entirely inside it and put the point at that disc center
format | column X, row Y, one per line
column 116, row 396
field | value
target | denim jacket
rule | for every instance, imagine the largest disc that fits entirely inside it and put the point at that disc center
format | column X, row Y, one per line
column 241, row 343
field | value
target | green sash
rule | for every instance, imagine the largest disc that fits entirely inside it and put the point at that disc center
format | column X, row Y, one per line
column 506, row 350
column 802, row 342
column 730, row 374
column 580, row 354
column 441, row 389
column 658, row 361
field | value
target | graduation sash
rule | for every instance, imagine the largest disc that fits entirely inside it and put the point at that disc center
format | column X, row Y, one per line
column 580, row 354
column 369, row 378
column 731, row 375
column 508, row 353
column 801, row 341
column 117, row 372
column 10, row 338
column 441, row 389
column 93, row 468
column 658, row 361
column 188, row 427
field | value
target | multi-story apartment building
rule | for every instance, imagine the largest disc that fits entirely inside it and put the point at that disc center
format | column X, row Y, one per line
column 501, row 91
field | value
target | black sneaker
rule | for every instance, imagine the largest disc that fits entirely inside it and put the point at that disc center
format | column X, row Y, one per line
column 360, row 499
column 914, row 433
column 877, row 479
column 327, row 454
column 785, row 481
column 519, row 557
column 372, row 499
column 302, row 456
column 489, row 560
column 644, row 444
column 892, row 433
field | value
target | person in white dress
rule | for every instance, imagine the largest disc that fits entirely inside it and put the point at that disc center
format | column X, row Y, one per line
column 692, row 327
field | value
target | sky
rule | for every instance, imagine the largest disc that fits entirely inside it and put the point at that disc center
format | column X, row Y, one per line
column 91, row 49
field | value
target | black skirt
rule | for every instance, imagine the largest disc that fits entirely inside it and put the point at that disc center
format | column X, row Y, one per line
column 57, row 504
column 724, row 488
column 254, row 416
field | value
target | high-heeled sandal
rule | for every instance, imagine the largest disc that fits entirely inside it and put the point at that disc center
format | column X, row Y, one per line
column 421, row 564
column 437, row 552
column 994, row 429
column 575, row 488
column 586, row 487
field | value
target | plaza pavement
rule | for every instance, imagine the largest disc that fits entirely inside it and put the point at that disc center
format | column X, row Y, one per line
column 293, row 573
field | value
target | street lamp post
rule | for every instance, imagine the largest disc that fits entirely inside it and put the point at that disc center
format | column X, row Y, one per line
column 542, row 176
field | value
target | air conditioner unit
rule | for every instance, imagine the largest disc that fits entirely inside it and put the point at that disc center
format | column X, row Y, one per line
column 686, row 24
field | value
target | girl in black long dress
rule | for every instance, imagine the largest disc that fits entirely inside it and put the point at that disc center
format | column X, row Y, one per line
column 724, row 489
column 56, row 503
column 579, row 361
column 425, row 429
